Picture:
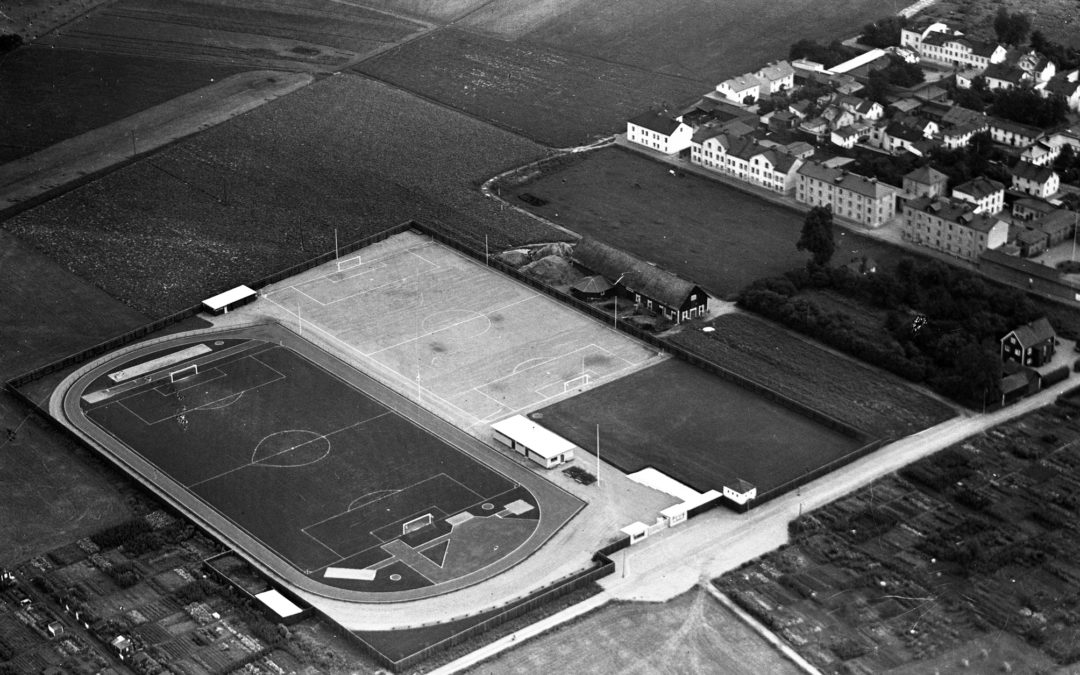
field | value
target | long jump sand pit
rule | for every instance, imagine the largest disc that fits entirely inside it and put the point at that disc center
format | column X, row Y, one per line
column 466, row 341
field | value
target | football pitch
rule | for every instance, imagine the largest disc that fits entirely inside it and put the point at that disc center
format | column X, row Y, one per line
column 338, row 477
column 458, row 337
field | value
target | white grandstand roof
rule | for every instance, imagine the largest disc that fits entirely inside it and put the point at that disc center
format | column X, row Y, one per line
column 228, row 297
column 523, row 430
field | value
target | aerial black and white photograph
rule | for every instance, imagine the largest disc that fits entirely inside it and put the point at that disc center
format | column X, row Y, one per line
column 505, row 337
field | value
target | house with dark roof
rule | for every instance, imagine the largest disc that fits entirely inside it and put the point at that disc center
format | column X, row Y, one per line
column 952, row 226
column 1012, row 133
column 1038, row 181
column 660, row 131
column 1059, row 225
column 1032, row 242
column 1028, row 208
column 1029, row 345
column 646, row 284
column 987, row 195
column 1067, row 86
column 858, row 198
column 925, row 182
column 959, row 50
column 744, row 158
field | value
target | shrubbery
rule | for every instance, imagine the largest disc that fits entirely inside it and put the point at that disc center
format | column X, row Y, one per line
column 941, row 324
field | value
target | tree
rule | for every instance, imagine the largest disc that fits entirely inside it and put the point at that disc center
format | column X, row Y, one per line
column 9, row 42
column 1012, row 29
column 884, row 33
column 817, row 235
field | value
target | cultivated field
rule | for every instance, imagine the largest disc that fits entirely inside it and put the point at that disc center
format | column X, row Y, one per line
column 476, row 346
column 251, row 196
column 314, row 462
column 839, row 386
column 965, row 561
column 558, row 98
column 697, row 428
column 717, row 236
column 691, row 634
column 690, row 38
column 54, row 94
column 302, row 34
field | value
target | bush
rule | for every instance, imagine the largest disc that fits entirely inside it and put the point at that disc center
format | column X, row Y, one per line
column 9, row 42
column 117, row 535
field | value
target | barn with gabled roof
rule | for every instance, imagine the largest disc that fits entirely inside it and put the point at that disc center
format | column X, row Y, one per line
column 646, row 284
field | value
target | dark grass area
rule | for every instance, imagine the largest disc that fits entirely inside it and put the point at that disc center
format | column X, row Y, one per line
column 871, row 399
column 252, row 196
column 718, row 236
column 54, row 94
column 695, row 427
column 555, row 97
column 321, row 447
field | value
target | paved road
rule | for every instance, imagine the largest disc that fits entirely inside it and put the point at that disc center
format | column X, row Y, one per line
column 719, row 541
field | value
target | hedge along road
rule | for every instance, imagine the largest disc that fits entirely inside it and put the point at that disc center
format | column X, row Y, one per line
column 34, row 175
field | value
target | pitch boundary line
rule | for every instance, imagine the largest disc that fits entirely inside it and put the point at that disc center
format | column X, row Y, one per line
column 401, row 280
column 375, row 501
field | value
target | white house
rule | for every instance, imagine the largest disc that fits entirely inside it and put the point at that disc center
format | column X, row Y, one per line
column 528, row 438
column 775, row 78
column 960, row 51
column 741, row 157
column 987, row 195
column 1012, row 133
column 1039, row 181
column 738, row 89
column 660, row 131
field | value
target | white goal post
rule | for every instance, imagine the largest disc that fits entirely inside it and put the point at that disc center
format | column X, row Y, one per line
column 187, row 371
column 348, row 263
column 417, row 523
column 579, row 381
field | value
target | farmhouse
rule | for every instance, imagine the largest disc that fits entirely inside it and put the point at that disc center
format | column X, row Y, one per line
column 658, row 130
column 528, row 438
column 658, row 290
column 1038, row 181
column 953, row 227
column 987, row 195
column 851, row 196
column 1029, row 345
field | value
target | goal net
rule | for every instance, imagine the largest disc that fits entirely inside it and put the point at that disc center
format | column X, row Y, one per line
column 188, row 371
column 348, row 263
column 417, row 523
column 579, row 381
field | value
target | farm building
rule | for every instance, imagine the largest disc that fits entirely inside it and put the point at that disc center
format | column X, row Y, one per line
column 657, row 290
column 1029, row 345
column 231, row 299
column 528, row 438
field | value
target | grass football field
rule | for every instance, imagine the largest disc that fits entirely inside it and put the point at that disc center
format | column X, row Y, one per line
column 295, row 450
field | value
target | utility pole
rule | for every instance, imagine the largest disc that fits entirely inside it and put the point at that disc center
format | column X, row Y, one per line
column 597, row 455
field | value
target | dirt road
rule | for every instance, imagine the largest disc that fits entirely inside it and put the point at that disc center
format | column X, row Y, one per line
column 60, row 164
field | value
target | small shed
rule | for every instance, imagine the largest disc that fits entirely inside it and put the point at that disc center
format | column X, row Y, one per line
column 230, row 299
column 55, row 629
column 636, row 532
column 739, row 493
column 281, row 609
column 531, row 440
column 593, row 287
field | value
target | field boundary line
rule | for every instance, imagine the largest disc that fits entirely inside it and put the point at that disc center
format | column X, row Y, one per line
column 761, row 630
column 375, row 501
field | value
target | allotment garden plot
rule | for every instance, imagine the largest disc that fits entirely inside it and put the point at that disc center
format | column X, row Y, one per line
column 461, row 338
column 338, row 477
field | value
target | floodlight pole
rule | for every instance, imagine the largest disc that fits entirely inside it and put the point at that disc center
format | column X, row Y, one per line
column 336, row 254
column 597, row 455
column 299, row 321
column 486, row 250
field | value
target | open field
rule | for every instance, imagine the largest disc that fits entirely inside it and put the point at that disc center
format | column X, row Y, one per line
column 98, row 150
column 51, row 490
column 320, row 35
column 699, row 39
column 477, row 346
column 953, row 563
column 691, row 634
column 558, row 98
column 251, row 196
column 842, row 387
column 54, row 94
column 1057, row 19
column 31, row 18
column 697, row 428
column 715, row 235
column 348, row 471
